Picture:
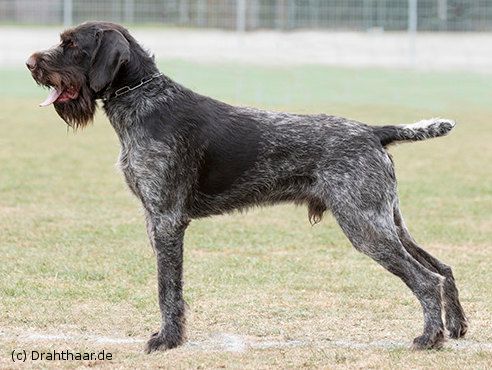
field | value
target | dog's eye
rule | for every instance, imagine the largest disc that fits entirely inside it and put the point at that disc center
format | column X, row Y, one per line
column 69, row 44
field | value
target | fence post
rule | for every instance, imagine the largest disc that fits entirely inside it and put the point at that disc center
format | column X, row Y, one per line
column 412, row 30
column 202, row 14
column 67, row 13
column 442, row 13
column 367, row 12
column 253, row 15
column 129, row 11
column 240, row 15
column 280, row 14
column 184, row 12
column 442, row 9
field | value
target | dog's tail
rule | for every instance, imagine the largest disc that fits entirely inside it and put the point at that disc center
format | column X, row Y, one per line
column 425, row 129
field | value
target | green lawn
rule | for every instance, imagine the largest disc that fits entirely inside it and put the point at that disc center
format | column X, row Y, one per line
column 75, row 257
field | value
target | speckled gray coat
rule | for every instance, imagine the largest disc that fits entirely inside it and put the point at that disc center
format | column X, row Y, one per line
column 188, row 156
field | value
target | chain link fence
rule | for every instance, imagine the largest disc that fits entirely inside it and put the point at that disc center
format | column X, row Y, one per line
column 244, row 15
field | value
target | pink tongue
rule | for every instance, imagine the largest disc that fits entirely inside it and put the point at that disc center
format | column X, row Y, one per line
column 51, row 98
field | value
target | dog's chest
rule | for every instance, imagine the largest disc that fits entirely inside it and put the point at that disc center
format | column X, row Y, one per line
column 131, row 167
column 144, row 167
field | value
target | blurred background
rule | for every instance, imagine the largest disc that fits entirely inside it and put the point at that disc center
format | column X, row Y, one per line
column 432, row 34
column 75, row 255
column 240, row 15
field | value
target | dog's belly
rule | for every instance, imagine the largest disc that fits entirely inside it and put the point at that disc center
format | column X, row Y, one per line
column 253, row 191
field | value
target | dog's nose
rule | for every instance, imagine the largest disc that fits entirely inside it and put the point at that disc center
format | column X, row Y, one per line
column 31, row 63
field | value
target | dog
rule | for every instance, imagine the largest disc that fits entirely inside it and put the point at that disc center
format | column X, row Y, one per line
column 188, row 156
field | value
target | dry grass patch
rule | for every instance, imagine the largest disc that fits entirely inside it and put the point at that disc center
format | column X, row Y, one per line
column 265, row 289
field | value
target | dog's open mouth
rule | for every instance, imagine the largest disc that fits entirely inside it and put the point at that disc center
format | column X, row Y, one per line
column 60, row 95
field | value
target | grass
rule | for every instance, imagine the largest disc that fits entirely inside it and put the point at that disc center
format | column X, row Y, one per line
column 75, row 257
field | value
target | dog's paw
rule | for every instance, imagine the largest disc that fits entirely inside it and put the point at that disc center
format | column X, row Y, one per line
column 160, row 342
column 456, row 326
column 433, row 340
column 155, row 343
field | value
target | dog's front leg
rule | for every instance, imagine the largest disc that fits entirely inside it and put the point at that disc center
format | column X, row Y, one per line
column 166, row 232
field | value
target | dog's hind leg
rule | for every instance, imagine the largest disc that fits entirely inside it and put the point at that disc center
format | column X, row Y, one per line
column 372, row 231
column 456, row 322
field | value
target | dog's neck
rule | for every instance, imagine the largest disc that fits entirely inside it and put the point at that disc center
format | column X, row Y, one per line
column 142, row 97
column 141, row 66
column 142, row 102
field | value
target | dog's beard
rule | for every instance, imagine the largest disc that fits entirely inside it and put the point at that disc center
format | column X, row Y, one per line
column 79, row 112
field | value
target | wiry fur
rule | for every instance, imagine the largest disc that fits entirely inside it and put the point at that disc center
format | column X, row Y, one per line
column 422, row 130
column 187, row 156
column 78, row 113
column 53, row 68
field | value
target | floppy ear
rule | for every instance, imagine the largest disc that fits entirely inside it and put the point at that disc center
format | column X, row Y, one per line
column 112, row 50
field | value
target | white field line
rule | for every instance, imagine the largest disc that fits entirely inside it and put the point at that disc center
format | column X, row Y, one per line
column 227, row 342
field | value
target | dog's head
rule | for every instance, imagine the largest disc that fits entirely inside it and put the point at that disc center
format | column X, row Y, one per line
column 80, row 68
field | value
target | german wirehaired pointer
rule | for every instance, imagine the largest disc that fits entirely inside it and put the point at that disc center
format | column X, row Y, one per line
column 189, row 156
